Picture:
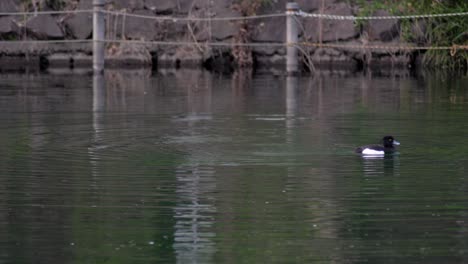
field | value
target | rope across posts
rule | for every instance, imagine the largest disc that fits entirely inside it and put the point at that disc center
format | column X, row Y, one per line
column 294, row 18
column 292, row 35
column 98, row 36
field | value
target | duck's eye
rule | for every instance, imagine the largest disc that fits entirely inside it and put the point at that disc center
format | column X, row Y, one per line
column 390, row 139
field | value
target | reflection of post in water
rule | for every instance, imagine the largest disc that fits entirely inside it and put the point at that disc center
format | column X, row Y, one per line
column 292, row 83
column 195, row 209
column 99, row 105
column 194, row 214
column 126, row 89
column 319, row 94
column 99, row 93
column 99, row 102
column 199, row 92
column 291, row 91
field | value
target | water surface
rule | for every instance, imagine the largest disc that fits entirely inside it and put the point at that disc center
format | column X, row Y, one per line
column 193, row 167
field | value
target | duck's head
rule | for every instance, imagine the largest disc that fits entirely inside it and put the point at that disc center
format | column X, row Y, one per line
column 389, row 142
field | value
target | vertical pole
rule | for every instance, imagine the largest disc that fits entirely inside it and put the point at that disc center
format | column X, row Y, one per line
column 98, row 36
column 292, row 33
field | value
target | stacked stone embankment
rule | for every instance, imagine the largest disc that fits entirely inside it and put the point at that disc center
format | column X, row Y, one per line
column 78, row 26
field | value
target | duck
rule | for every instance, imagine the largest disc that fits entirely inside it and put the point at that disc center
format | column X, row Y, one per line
column 388, row 146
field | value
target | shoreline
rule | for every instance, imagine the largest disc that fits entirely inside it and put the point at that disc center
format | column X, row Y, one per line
column 79, row 55
column 185, row 42
column 205, row 44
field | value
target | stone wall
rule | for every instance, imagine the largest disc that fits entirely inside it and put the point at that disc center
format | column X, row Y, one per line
column 266, row 30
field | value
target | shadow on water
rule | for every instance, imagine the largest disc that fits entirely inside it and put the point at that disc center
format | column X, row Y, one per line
column 191, row 166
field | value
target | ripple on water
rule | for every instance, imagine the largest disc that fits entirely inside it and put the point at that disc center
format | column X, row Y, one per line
column 233, row 175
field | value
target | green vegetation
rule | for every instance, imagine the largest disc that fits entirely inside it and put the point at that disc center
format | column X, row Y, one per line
column 436, row 32
column 446, row 31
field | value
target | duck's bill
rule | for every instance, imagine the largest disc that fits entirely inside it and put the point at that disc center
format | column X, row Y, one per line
column 396, row 143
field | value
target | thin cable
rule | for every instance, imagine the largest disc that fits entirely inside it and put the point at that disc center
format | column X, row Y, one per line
column 337, row 17
column 185, row 19
column 57, row 41
column 44, row 13
column 298, row 13
column 193, row 43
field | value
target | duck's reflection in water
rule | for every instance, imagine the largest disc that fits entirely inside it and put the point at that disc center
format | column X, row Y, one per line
column 377, row 165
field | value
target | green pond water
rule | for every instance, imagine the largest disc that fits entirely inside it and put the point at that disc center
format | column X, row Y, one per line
column 189, row 166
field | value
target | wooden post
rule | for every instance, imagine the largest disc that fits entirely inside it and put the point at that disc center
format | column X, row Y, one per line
column 292, row 33
column 98, row 36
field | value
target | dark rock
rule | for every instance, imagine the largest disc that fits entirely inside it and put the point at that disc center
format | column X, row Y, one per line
column 128, row 55
column 158, row 6
column 59, row 60
column 81, row 60
column 128, row 4
column 332, row 57
column 278, row 60
column 214, row 29
column 310, row 5
column 166, row 60
column 19, row 62
column 222, row 30
column 146, row 28
column 189, row 57
column 326, row 54
column 270, row 7
column 218, row 30
column 332, row 30
column 141, row 28
column 10, row 5
column 219, row 61
column 172, row 6
column 170, row 30
column 6, row 27
column 269, row 50
column 56, row 5
column 69, row 60
column 396, row 60
column 182, row 57
column 270, row 30
column 270, row 61
column 44, row 27
column 382, row 29
column 80, row 25
column 274, row 29
column 279, row 6
column 221, row 4
column 85, row 5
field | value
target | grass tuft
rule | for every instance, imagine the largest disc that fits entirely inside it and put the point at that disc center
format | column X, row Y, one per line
column 436, row 32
